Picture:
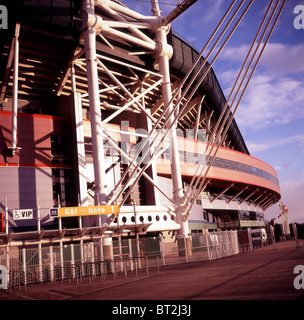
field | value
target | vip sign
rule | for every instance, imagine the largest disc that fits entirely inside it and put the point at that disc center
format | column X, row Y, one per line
column 23, row 214
column 3, row 17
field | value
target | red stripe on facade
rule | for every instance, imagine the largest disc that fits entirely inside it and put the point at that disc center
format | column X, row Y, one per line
column 27, row 165
column 33, row 115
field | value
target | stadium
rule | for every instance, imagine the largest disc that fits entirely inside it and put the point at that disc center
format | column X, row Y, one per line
column 112, row 127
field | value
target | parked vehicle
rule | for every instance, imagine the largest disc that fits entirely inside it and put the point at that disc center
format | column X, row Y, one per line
column 258, row 236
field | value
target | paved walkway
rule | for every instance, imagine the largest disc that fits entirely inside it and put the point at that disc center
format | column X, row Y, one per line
column 262, row 275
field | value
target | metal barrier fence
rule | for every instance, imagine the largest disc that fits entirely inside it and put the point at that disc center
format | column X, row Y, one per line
column 76, row 261
column 81, row 271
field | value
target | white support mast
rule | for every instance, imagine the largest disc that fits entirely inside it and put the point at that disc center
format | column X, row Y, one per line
column 163, row 60
column 89, row 34
column 94, row 101
column 14, row 147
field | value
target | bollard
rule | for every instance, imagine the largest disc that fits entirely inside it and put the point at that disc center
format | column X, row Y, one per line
column 147, row 265
column 136, row 267
column 76, row 270
column 114, row 271
column 125, row 269
column 273, row 237
column 295, row 232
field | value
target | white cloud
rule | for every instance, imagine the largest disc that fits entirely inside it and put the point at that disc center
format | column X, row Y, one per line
column 257, row 147
column 275, row 93
column 235, row 54
column 271, row 101
column 282, row 59
column 214, row 11
column 277, row 59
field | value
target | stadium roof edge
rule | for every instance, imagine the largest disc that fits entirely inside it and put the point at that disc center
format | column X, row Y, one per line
column 58, row 17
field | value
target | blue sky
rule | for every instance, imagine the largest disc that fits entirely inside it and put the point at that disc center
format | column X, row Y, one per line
column 271, row 115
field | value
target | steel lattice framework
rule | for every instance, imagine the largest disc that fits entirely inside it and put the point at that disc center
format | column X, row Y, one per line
column 119, row 70
column 140, row 90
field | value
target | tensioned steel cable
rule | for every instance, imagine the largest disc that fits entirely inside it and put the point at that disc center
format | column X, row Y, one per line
column 123, row 154
column 217, row 129
column 199, row 82
column 193, row 79
column 194, row 90
column 223, row 136
column 173, row 97
column 189, row 207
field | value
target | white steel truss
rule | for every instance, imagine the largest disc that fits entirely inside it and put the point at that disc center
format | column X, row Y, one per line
column 150, row 93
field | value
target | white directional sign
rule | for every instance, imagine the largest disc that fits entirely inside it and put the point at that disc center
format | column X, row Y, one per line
column 23, row 214
column 54, row 213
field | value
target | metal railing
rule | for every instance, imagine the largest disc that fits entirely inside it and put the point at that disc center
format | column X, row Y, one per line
column 84, row 261
column 84, row 272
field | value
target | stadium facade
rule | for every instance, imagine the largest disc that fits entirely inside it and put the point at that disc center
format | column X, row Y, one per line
column 89, row 117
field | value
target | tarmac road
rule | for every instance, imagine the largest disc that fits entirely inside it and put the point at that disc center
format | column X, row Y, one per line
column 261, row 275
